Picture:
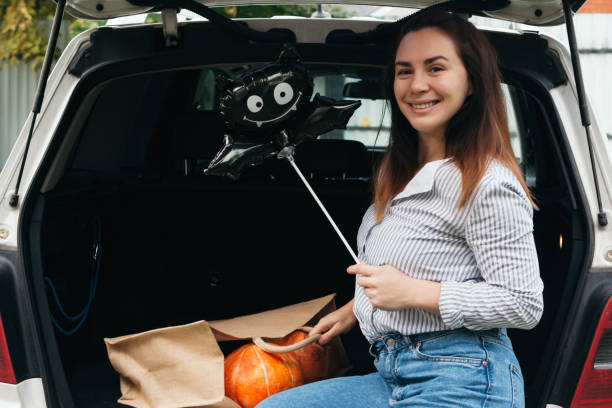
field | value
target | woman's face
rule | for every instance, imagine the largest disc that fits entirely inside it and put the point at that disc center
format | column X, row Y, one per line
column 431, row 82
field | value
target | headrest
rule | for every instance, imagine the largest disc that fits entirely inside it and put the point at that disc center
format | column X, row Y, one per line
column 333, row 158
column 198, row 135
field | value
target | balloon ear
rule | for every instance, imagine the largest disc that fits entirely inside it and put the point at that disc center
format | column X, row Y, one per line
column 288, row 56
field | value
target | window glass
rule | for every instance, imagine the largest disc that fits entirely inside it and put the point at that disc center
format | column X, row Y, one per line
column 513, row 124
column 369, row 124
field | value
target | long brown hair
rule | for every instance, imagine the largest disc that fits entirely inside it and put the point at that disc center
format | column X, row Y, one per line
column 475, row 135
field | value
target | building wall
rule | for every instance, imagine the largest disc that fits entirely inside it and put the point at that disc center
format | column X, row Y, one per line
column 596, row 6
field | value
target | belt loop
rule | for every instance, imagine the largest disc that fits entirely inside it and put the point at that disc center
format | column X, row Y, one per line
column 377, row 347
column 372, row 350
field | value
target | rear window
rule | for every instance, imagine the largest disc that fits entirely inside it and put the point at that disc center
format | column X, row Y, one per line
column 135, row 116
column 370, row 124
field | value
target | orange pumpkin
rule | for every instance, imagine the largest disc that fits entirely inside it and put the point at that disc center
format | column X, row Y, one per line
column 316, row 360
column 252, row 375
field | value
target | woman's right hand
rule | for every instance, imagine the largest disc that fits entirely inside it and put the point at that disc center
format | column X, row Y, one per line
column 337, row 322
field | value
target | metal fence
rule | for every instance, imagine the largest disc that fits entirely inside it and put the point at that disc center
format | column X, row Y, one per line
column 17, row 89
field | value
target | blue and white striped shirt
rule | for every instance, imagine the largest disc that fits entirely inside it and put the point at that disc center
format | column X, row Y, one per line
column 484, row 254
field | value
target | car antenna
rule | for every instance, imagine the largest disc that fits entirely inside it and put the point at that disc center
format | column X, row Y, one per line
column 40, row 91
column 602, row 217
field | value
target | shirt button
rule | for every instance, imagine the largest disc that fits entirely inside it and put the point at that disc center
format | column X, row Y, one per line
column 390, row 342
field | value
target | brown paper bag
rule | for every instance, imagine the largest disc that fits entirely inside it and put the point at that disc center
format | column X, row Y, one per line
column 182, row 366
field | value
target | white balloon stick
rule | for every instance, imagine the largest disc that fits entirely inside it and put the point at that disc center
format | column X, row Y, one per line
column 287, row 153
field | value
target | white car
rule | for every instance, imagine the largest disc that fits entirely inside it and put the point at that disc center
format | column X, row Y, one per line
column 111, row 227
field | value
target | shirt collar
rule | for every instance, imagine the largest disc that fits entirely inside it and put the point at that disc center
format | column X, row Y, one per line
column 422, row 181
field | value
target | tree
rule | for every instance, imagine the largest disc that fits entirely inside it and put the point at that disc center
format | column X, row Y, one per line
column 21, row 24
column 278, row 10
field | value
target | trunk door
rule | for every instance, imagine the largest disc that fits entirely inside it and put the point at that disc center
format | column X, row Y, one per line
column 534, row 12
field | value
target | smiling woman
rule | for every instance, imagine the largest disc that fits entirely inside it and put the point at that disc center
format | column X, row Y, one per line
column 441, row 276
column 470, row 123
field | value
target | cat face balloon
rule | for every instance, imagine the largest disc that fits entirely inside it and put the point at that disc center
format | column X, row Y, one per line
column 269, row 109
column 269, row 98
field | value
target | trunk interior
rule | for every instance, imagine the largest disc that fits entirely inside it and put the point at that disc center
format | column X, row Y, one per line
column 224, row 253
column 173, row 246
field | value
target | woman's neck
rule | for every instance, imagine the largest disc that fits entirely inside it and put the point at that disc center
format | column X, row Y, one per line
column 431, row 148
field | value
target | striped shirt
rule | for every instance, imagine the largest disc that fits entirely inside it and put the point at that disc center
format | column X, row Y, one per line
column 484, row 254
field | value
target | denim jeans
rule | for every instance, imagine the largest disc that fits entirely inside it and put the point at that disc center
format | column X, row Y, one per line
column 454, row 368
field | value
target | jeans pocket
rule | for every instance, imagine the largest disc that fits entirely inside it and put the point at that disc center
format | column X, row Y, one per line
column 452, row 349
column 518, row 391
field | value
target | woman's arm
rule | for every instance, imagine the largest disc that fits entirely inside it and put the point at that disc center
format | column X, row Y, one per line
column 499, row 231
column 388, row 288
column 337, row 322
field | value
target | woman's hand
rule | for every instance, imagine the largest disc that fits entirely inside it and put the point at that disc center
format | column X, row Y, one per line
column 388, row 288
column 337, row 322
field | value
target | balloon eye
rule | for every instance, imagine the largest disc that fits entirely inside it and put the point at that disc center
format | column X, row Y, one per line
column 254, row 103
column 283, row 93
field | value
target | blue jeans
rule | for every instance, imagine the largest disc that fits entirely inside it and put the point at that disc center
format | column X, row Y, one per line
column 454, row 368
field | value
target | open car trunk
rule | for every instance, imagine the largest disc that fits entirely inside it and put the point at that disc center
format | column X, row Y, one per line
column 133, row 221
column 227, row 250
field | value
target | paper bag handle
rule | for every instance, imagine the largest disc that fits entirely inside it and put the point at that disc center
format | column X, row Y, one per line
column 273, row 348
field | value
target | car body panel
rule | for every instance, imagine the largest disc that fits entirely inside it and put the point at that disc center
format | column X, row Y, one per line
column 566, row 101
column 58, row 92
column 26, row 394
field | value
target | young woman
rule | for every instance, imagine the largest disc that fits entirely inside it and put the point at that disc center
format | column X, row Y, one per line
column 447, row 251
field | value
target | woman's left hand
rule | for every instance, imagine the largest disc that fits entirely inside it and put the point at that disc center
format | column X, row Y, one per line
column 388, row 288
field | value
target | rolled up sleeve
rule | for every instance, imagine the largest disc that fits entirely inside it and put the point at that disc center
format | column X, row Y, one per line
column 499, row 231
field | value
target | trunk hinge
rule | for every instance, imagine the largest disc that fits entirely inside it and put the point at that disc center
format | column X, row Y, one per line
column 170, row 25
column 602, row 218
column 40, row 91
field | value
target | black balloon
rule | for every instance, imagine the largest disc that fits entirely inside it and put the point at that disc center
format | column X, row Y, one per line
column 269, row 109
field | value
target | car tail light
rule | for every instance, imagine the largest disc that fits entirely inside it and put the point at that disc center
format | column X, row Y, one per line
column 7, row 375
column 595, row 385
